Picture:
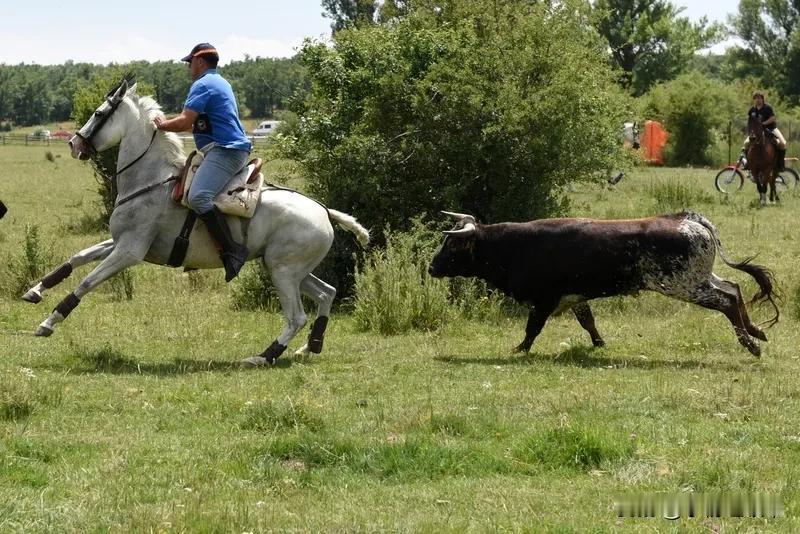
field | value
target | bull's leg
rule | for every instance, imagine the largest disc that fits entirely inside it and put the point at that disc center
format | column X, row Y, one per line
column 537, row 317
column 118, row 260
column 732, row 288
column 322, row 294
column 288, row 287
column 59, row 274
column 709, row 296
column 585, row 317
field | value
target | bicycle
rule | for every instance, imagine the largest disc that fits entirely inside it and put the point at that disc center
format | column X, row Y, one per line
column 731, row 178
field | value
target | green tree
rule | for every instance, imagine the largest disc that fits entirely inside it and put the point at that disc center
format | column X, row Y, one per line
column 649, row 41
column 480, row 106
column 349, row 13
column 771, row 51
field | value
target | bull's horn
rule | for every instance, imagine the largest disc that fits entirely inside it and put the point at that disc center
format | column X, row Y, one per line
column 458, row 216
column 468, row 229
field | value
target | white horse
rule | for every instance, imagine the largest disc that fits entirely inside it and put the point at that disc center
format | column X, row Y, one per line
column 291, row 233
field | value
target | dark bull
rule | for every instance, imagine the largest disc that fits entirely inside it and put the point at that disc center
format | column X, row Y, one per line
column 556, row 264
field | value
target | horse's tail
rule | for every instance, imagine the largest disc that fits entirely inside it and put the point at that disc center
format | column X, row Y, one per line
column 763, row 276
column 349, row 223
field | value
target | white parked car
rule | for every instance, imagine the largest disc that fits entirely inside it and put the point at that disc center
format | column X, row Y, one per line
column 266, row 127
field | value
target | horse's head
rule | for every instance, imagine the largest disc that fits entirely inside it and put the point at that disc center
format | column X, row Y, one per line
column 755, row 130
column 105, row 127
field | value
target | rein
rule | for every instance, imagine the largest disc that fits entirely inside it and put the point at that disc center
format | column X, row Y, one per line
column 146, row 189
column 129, row 165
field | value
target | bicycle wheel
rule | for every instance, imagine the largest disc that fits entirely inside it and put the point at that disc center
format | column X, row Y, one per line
column 790, row 177
column 782, row 183
column 729, row 180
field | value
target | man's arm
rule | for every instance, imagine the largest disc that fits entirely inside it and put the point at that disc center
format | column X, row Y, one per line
column 181, row 123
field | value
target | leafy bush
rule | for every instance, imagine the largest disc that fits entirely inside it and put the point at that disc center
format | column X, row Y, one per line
column 693, row 109
column 393, row 291
column 253, row 289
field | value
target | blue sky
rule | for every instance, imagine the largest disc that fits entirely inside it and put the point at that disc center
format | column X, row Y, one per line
column 51, row 32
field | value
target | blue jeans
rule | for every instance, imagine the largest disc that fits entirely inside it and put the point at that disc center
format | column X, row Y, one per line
column 218, row 167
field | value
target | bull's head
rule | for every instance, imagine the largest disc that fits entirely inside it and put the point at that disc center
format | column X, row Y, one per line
column 456, row 254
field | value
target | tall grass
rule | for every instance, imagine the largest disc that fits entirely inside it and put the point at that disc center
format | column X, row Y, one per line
column 674, row 195
column 29, row 265
column 394, row 293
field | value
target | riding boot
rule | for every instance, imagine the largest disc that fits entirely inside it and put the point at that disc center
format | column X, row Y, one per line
column 781, row 163
column 233, row 254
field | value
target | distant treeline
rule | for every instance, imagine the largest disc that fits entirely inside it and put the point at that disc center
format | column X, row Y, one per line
column 36, row 94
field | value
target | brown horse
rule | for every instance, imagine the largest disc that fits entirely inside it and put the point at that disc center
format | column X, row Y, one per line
column 761, row 159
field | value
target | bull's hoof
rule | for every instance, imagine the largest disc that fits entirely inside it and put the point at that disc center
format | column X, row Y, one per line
column 43, row 331
column 32, row 296
column 758, row 334
column 598, row 342
column 754, row 349
column 255, row 361
column 521, row 349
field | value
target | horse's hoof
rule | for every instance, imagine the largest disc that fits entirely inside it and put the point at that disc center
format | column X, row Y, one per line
column 43, row 331
column 303, row 351
column 255, row 361
column 32, row 296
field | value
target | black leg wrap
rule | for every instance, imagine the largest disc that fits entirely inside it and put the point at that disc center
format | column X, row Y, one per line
column 52, row 278
column 66, row 306
column 273, row 351
column 317, row 334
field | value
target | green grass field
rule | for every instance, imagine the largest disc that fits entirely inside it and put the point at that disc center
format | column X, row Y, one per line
column 134, row 415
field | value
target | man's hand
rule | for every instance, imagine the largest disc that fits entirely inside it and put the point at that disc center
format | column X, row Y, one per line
column 159, row 121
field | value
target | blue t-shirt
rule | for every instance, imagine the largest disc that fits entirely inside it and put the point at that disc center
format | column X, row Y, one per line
column 218, row 121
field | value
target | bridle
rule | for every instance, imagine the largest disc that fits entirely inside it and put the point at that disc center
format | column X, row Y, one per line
column 102, row 117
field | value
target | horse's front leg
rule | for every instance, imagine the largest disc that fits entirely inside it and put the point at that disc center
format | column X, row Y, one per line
column 119, row 259
column 94, row 253
column 773, row 190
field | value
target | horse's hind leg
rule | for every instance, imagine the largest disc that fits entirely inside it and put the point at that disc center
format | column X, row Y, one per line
column 708, row 295
column 287, row 286
column 584, row 315
column 732, row 288
column 322, row 294
column 119, row 259
column 60, row 273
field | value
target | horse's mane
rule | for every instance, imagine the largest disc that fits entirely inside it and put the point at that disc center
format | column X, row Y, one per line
column 148, row 110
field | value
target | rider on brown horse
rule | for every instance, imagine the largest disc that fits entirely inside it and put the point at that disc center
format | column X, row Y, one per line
column 767, row 116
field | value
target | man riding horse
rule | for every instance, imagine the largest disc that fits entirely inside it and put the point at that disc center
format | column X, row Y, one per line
column 212, row 113
column 766, row 115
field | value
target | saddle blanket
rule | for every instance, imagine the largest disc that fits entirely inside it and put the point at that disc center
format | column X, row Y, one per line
column 240, row 195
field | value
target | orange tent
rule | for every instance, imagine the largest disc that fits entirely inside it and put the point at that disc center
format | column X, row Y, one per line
column 653, row 140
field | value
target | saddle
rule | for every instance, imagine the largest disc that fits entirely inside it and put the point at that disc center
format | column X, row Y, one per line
column 240, row 195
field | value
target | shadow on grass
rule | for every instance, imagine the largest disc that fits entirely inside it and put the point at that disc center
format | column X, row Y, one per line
column 112, row 361
column 587, row 356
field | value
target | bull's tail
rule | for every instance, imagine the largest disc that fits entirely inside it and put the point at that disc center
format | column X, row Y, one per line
column 349, row 223
column 763, row 276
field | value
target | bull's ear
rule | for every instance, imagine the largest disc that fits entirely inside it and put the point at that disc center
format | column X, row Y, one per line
column 468, row 230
